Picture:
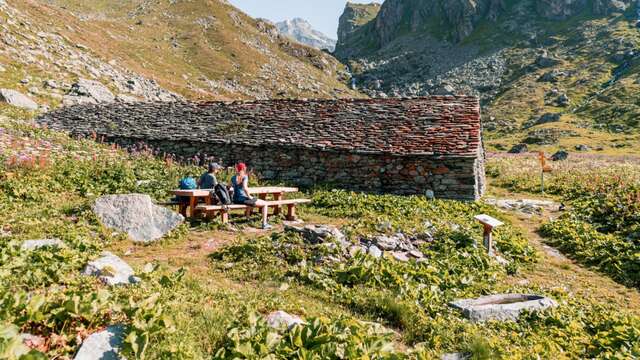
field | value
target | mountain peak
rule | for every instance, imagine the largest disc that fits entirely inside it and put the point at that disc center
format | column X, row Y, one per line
column 303, row 32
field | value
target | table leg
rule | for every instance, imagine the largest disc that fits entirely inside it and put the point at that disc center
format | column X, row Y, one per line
column 291, row 213
column 192, row 206
column 277, row 197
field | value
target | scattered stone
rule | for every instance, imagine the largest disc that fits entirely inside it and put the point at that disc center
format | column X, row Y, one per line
column 526, row 206
column 400, row 256
column 552, row 76
column 385, row 242
column 502, row 307
column 519, row 149
column 111, row 269
column 563, row 100
column 17, row 99
column 92, row 89
column 24, row 81
column 582, row 147
column 545, row 61
column 37, row 244
column 280, row 319
column 317, row 234
column 103, row 345
column 455, row 356
column 416, row 254
column 560, row 155
column 51, row 84
column 137, row 215
column 375, row 251
column 548, row 118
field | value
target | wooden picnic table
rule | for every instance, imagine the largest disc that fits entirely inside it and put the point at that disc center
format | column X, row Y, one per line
column 205, row 194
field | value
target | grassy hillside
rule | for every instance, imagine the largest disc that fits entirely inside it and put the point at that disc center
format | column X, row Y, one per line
column 198, row 49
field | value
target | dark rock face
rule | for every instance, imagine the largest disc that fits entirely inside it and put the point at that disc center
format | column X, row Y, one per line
column 560, row 155
column 559, row 9
column 519, row 149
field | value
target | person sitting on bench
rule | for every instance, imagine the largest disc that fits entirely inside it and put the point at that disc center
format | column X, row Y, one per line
column 208, row 180
column 240, row 183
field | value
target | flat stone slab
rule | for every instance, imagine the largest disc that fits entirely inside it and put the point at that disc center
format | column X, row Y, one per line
column 17, row 99
column 111, row 269
column 37, row 244
column 279, row 319
column 136, row 215
column 502, row 307
column 317, row 234
column 103, row 345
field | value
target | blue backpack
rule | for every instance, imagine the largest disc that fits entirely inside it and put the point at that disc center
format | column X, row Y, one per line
column 188, row 183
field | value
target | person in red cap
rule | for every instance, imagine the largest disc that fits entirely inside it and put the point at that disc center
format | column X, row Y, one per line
column 240, row 183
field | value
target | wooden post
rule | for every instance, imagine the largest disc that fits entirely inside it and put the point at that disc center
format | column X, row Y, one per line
column 224, row 215
column 291, row 212
column 489, row 223
column 277, row 197
column 192, row 206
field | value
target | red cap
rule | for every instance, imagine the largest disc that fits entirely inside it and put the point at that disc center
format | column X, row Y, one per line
column 241, row 167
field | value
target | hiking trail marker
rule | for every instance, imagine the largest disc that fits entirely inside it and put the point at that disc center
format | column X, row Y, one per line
column 489, row 223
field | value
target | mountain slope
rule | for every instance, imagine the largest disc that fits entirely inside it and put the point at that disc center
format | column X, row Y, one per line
column 196, row 49
column 301, row 31
column 575, row 60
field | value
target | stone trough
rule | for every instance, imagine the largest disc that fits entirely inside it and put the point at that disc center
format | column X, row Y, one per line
column 501, row 307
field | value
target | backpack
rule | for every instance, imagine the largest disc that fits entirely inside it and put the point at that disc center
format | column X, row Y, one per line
column 222, row 194
column 188, row 183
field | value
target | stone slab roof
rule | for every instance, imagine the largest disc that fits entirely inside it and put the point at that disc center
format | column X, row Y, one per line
column 435, row 125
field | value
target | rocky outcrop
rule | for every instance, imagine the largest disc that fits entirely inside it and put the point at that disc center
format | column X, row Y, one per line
column 17, row 99
column 136, row 215
column 41, row 243
column 301, row 31
column 353, row 25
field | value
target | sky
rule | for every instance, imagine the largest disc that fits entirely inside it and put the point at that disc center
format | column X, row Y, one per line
column 322, row 14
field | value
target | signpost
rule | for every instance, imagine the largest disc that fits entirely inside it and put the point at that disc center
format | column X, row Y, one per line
column 544, row 168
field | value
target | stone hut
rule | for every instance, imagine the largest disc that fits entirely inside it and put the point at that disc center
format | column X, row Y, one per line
column 399, row 146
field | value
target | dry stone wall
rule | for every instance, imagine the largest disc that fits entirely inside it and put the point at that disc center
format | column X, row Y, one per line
column 333, row 143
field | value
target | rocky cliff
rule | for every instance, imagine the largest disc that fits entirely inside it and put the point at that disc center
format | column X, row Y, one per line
column 575, row 59
column 301, row 31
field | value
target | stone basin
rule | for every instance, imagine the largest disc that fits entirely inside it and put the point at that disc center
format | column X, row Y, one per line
column 501, row 307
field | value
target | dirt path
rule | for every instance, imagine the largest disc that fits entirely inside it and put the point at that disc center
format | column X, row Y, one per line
column 554, row 270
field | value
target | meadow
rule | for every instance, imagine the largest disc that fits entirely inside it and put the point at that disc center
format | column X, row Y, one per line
column 206, row 288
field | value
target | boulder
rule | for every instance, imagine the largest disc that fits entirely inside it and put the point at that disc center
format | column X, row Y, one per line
column 560, row 155
column 17, row 99
column 501, row 307
column 552, row 76
column 400, row 256
column 93, row 90
column 36, row 244
column 548, row 118
column 519, row 149
column 136, row 215
column 103, row 345
column 280, row 319
column 582, row 147
column 545, row 61
column 317, row 234
column 111, row 269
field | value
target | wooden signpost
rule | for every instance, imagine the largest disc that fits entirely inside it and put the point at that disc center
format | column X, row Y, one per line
column 544, row 168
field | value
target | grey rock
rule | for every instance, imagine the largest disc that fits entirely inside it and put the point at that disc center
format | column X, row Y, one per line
column 36, row 244
column 280, row 319
column 356, row 249
column 375, row 251
column 103, row 345
column 548, row 118
column 416, row 254
column 92, row 89
column 111, row 269
column 400, row 256
column 563, row 100
column 17, row 99
column 386, row 242
column 519, row 149
column 455, row 356
column 502, row 307
column 545, row 61
column 137, row 215
column 317, row 234
column 582, row 147
column 560, row 155
column 552, row 76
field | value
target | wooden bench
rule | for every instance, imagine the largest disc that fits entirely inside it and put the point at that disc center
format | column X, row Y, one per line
column 210, row 210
